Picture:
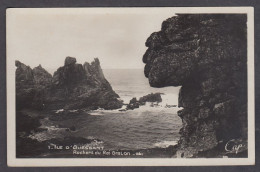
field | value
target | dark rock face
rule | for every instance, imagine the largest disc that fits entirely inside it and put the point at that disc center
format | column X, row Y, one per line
column 70, row 61
column 25, row 90
column 26, row 123
column 41, row 76
column 72, row 86
column 153, row 97
column 207, row 56
column 133, row 104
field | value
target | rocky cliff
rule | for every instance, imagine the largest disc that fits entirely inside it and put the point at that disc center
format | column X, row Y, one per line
column 72, row 86
column 207, row 56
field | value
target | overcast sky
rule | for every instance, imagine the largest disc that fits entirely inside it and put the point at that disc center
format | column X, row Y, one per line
column 116, row 36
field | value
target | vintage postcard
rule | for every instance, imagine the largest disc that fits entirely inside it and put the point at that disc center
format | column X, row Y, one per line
column 130, row 86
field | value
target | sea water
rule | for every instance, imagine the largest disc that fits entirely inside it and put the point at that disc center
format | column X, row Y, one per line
column 141, row 128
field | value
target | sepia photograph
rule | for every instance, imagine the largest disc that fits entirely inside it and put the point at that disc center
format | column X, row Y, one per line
column 130, row 86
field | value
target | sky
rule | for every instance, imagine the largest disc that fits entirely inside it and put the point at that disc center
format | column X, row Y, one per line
column 115, row 35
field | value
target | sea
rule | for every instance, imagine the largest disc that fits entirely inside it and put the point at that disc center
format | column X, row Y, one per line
column 150, row 126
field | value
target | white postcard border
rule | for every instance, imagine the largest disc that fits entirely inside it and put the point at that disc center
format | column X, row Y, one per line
column 37, row 162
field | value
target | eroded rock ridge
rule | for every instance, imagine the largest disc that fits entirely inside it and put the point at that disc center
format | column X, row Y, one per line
column 72, row 86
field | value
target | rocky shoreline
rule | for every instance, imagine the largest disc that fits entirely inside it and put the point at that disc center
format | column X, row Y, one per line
column 73, row 86
column 27, row 147
column 29, row 123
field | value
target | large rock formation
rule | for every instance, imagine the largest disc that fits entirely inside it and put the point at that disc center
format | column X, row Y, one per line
column 72, row 86
column 206, row 54
column 25, row 86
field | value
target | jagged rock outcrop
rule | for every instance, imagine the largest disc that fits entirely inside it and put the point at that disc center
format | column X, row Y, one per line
column 153, row 97
column 41, row 77
column 206, row 54
column 133, row 104
column 25, row 90
column 79, row 86
column 72, row 86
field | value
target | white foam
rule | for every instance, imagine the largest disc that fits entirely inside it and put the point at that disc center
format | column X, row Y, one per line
column 165, row 144
column 169, row 104
column 74, row 110
column 60, row 110
column 96, row 113
column 102, row 111
column 149, row 106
